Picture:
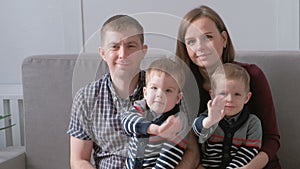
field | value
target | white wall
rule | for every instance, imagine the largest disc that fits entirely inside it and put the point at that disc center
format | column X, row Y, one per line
column 253, row 25
column 36, row 27
column 54, row 26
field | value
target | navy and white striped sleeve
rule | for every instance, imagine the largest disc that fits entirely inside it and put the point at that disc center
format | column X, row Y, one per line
column 133, row 122
column 171, row 153
column 203, row 133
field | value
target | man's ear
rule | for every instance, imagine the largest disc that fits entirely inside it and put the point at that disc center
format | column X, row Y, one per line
column 102, row 53
column 145, row 49
column 248, row 96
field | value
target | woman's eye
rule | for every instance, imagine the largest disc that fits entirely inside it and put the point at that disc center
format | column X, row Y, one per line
column 190, row 42
column 208, row 37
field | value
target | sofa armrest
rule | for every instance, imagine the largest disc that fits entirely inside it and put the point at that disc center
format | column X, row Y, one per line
column 12, row 157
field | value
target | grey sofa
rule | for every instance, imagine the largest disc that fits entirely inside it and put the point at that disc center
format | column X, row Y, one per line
column 49, row 82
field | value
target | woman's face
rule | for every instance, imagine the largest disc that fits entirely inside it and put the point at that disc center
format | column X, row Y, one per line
column 205, row 43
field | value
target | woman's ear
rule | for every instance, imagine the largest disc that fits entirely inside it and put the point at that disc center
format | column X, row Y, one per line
column 225, row 37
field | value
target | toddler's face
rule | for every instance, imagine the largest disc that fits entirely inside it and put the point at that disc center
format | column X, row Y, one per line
column 235, row 95
column 161, row 92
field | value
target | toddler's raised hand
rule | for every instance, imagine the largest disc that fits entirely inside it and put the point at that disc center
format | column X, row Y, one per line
column 215, row 111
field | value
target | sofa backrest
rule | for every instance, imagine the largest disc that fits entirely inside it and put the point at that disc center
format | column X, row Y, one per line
column 282, row 71
column 50, row 81
column 47, row 92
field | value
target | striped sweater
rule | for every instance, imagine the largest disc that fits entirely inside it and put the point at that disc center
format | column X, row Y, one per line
column 227, row 145
column 149, row 151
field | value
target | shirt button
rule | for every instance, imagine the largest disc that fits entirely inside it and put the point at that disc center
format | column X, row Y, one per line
column 229, row 135
column 142, row 143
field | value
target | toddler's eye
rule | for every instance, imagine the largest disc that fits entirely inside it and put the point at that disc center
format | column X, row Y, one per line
column 169, row 91
column 153, row 88
column 237, row 94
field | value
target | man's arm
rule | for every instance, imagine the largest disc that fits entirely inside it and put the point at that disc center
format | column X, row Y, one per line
column 80, row 153
column 191, row 156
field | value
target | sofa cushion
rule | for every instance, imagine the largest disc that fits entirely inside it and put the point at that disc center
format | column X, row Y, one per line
column 48, row 86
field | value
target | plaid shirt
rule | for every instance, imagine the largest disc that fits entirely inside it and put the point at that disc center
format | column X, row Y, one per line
column 96, row 115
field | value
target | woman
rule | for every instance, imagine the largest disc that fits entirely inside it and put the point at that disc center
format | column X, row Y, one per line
column 203, row 43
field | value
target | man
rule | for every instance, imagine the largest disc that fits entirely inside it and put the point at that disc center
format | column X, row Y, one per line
column 95, row 123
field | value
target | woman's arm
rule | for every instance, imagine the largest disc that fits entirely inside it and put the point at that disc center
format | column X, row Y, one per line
column 191, row 157
column 258, row 162
column 262, row 105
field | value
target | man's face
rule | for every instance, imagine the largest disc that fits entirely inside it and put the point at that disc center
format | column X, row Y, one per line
column 123, row 51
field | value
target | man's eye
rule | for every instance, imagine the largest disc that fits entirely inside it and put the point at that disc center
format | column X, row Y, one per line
column 131, row 46
column 114, row 47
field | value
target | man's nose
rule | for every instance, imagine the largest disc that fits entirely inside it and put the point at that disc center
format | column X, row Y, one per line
column 122, row 52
